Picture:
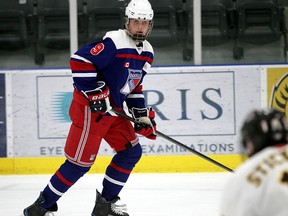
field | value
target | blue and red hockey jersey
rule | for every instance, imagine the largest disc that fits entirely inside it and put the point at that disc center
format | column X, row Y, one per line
column 118, row 62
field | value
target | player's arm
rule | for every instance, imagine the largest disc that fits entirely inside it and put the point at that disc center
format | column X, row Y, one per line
column 136, row 98
column 98, row 98
column 146, row 125
column 144, row 116
column 85, row 64
column 84, row 73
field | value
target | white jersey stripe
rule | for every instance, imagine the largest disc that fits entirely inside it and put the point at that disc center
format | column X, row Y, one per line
column 84, row 135
column 84, row 74
column 135, row 96
column 114, row 181
column 54, row 189
column 112, row 113
column 87, row 122
column 146, row 67
column 80, row 58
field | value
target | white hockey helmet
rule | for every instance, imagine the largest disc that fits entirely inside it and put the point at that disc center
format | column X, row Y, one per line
column 139, row 9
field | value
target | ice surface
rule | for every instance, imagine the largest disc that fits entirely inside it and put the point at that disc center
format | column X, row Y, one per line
column 173, row 194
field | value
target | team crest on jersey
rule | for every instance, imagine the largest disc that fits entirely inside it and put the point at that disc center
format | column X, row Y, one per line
column 134, row 78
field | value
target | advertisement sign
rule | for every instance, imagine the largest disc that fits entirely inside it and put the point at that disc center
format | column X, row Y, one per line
column 3, row 141
column 277, row 86
column 202, row 107
column 53, row 102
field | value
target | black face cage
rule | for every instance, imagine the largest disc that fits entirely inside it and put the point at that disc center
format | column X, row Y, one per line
column 138, row 37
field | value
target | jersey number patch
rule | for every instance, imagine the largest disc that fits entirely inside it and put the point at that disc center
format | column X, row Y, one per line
column 97, row 49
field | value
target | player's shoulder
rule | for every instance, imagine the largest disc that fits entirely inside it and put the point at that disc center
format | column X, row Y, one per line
column 119, row 38
column 122, row 40
column 260, row 160
column 147, row 46
column 115, row 34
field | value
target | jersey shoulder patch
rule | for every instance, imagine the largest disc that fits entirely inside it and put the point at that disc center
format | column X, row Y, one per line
column 98, row 48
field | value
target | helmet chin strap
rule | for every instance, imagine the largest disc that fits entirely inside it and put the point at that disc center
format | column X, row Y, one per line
column 137, row 38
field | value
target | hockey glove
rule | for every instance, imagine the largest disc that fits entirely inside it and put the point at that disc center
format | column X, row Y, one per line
column 98, row 98
column 145, row 124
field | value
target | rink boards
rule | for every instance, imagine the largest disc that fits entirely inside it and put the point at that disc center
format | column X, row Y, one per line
column 201, row 107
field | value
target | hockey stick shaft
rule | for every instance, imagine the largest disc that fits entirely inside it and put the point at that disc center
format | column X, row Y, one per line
column 177, row 143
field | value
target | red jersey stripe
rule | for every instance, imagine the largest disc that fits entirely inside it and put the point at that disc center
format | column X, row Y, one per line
column 65, row 181
column 119, row 168
column 138, row 89
column 81, row 66
column 146, row 58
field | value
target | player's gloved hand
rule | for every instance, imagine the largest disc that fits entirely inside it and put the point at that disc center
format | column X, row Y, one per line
column 98, row 98
column 146, row 125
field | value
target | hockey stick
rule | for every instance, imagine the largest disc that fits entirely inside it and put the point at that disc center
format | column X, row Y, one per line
column 176, row 142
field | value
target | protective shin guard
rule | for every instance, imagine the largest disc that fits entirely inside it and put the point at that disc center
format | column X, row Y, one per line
column 61, row 181
column 118, row 171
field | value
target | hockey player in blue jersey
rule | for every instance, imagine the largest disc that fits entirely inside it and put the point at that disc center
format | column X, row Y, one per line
column 107, row 73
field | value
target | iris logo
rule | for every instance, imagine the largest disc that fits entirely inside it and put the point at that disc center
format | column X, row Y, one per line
column 60, row 104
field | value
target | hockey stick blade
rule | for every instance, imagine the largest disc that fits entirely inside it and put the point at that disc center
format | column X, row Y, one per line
column 122, row 114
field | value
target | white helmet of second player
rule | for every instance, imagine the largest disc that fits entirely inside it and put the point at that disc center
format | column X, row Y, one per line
column 139, row 9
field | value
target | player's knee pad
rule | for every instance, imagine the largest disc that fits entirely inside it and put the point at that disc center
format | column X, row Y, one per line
column 73, row 171
column 128, row 156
